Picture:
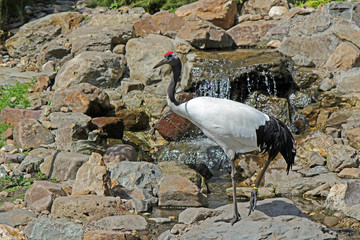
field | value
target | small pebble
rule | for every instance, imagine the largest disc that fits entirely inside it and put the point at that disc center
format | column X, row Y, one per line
column 330, row 221
column 4, row 194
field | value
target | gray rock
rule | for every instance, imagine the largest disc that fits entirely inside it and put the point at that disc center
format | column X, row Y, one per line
column 63, row 165
column 152, row 48
column 272, row 218
column 167, row 235
column 41, row 195
column 302, row 61
column 345, row 197
column 316, row 160
column 258, row 7
column 191, row 215
column 101, row 69
column 341, row 156
column 49, row 229
column 119, row 153
column 137, row 174
column 314, row 171
column 60, row 119
column 160, row 220
column 29, row 165
column 347, row 81
column 17, row 217
column 345, row 10
column 100, row 38
column 30, row 133
column 123, row 222
column 87, row 208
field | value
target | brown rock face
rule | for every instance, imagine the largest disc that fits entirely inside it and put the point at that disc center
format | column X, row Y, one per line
column 346, row 56
column 41, row 195
column 113, row 126
column 83, row 98
column 221, row 13
column 203, row 34
column 93, row 176
column 29, row 133
column 179, row 191
column 160, row 22
column 119, row 153
column 13, row 115
column 249, row 33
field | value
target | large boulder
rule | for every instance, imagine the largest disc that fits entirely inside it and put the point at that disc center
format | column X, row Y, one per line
column 30, row 133
column 346, row 56
column 100, row 38
column 13, row 115
column 101, row 69
column 163, row 22
column 124, row 222
column 203, row 34
column 41, row 194
column 143, row 53
column 249, row 33
column 84, row 98
column 221, row 13
column 31, row 36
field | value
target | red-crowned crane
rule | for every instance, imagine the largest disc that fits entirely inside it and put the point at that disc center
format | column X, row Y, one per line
column 235, row 127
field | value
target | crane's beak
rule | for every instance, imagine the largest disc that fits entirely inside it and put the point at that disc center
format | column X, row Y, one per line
column 162, row 62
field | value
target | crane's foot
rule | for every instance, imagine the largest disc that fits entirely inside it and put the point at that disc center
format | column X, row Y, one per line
column 232, row 220
column 253, row 199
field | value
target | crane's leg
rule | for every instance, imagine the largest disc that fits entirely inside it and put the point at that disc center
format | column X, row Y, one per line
column 236, row 216
column 255, row 192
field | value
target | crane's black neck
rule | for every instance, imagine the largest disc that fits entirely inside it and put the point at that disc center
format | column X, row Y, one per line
column 172, row 87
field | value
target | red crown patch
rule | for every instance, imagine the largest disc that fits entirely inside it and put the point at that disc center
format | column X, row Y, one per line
column 168, row 53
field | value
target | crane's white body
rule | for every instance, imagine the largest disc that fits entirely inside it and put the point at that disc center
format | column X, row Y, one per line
column 232, row 125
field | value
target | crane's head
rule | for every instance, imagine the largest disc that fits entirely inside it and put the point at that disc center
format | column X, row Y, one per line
column 170, row 58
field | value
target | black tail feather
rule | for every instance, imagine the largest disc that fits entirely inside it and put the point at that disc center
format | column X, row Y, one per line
column 275, row 137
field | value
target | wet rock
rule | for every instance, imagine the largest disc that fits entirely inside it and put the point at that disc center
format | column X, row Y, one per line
column 63, row 165
column 100, row 38
column 48, row 228
column 101, row 69
column 7, row 232
column 134, row 120
column 350, row 173
column 330, row 221
column 264, row 192
column 153, row 47
column 41, row 195
column 204, row 35
column 341, row 156
column 344, row 197
column 162, row 22
column 92, row 176
column 30, row 133
column 120, row 152
column 177, row 191
column 272, row 215
column 174, row 127
column 84, row 98
column 124, row 222
column 191, row 215
column 136, row 174
column 105, row 234
column 256, row 6
column 13, row 115
column 113, row 126
column 221, row 13
column 175, row 168
column 28, row 40
column 249, row 33
column 18, row 217
column 87, row 208
column 346, row 56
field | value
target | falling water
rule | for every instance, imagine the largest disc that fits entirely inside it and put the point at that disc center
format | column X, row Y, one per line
column 214, row 88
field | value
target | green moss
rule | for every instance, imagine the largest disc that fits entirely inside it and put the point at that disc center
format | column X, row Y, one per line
column 316, row 3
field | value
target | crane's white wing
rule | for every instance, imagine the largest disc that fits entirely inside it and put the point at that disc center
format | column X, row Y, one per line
column 232, row 125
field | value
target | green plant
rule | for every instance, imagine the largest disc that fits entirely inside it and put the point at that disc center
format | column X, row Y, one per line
column 14, row 96
column 315, row 3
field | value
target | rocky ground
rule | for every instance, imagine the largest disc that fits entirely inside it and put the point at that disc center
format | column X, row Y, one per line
column 105, row 150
